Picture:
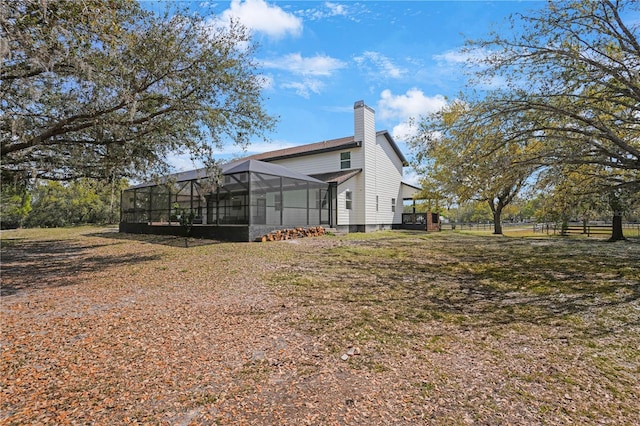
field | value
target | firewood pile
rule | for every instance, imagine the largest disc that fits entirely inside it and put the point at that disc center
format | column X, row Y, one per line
column 290, row 234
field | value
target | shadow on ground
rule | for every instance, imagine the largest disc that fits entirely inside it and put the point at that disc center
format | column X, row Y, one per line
column 476, row 282
column 166, row 240
column 29, row 265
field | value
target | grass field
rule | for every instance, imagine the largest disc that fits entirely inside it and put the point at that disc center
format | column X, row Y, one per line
column 450, row 328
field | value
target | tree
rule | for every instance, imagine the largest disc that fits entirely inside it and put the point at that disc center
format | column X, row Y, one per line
column 15, row 202
column 573, row 70
column 104, row 89
column 467, row 150
column 185, row 218
column 80, row 201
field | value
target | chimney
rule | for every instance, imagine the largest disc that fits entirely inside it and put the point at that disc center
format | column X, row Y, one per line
column 364, row 123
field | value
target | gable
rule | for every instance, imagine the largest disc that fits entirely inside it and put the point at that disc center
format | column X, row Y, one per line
column 394, row 146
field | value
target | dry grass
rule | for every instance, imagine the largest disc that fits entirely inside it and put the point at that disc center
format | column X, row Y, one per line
column 99, row 327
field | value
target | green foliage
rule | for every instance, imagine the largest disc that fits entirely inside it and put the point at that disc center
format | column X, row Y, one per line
column 185, row 217
column 15, row 204
column 57, row 204
column 468, row 154
column 568, row 105
column 474, row 212
column 570, row 73
column 105, row 89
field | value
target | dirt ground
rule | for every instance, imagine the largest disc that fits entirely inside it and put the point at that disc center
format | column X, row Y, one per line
column 394, row 328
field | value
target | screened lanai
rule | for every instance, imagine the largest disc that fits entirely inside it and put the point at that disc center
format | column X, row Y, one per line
column 251, row 198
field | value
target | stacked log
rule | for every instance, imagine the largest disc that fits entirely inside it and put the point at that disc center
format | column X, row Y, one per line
column 290, row 234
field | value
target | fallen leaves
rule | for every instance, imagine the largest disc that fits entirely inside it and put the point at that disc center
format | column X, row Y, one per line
column 127, row 331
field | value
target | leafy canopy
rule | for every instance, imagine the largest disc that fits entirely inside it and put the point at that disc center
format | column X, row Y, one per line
column 105, row 89
column 572, row 73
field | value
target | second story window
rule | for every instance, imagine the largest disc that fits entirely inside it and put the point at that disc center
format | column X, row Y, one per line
column 345, row 160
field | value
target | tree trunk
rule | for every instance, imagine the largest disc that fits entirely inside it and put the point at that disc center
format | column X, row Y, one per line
column 496, row 209
column 616, row 228
column 564, row 226
column 497, row 222
column 112, row 202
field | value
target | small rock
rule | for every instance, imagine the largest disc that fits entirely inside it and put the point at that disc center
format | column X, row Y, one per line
column 353, row 351
column 344, row 357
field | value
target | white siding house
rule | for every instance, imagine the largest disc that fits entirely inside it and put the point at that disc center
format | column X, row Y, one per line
column 352, row 184
column 364, row 172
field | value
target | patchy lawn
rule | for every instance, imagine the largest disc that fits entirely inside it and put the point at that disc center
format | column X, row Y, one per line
column 444, row 328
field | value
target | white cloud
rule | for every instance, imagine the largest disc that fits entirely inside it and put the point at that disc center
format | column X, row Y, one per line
column 382, row 65
column 266, row 82
column 462, row 56
column 336, row 9
column 182, row 162
column 260, row 147
column 319, row 65
column 412, row 104
column 406, row 109
column 404, row 131
column 328, row 10
column 410, row 176
column 305, row 87
column 311, row 70
column 261, row 17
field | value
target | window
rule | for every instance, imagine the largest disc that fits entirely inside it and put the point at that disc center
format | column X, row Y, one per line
column 393, row 204
column 348, row 200
column 345, row 160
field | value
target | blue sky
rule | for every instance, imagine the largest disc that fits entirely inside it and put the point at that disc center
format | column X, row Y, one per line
column 319, row 57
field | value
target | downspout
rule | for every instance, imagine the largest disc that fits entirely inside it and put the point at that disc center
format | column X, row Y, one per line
column 281, row 203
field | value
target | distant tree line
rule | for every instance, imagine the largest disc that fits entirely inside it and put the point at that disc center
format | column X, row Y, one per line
column 541, row 208
column 51, row 204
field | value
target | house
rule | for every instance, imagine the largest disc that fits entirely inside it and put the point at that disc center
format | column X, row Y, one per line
column 352, row 184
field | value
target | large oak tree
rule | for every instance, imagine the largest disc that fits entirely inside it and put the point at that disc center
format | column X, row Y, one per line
column 105, row 89
column 468, row 151
column 573, row 68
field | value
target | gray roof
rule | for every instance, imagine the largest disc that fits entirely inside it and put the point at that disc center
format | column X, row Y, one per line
column 267, row 169
column 337, row 177
column 231, row 168
column 347, row 142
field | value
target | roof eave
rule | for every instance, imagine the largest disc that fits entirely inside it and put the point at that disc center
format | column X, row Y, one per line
column 393, row 144
column 354, row 144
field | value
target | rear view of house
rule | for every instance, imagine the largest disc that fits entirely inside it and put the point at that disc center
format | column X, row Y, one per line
column 353, row 184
